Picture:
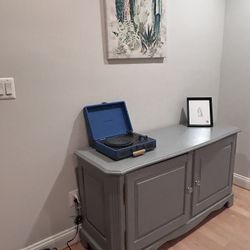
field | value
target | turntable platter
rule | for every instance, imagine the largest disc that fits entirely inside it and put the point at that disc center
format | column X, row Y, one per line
column 120, row 141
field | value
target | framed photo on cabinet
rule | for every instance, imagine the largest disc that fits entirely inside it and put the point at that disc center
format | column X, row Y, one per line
column 199, row 112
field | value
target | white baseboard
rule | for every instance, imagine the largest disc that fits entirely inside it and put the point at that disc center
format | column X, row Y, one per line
column 242, row 181
column 58, row 240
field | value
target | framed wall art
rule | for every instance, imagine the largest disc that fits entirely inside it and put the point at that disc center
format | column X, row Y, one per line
column 136, row 28
column 199, row 111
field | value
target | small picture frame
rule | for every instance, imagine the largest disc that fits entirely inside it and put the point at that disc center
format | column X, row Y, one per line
column 199, row 112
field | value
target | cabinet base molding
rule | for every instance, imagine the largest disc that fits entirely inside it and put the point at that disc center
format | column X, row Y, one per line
column 87, row 239
column 242, row 181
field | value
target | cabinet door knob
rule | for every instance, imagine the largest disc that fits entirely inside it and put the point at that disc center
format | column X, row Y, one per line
column 197, row 182
column 189, row 190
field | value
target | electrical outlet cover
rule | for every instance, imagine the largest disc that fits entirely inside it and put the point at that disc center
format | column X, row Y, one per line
column 72, row 195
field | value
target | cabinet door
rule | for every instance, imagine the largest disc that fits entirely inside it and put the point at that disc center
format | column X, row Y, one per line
column 157, row 200
column 213, row 173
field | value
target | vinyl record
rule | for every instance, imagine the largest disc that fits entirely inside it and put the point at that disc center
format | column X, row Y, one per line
column 119, row 141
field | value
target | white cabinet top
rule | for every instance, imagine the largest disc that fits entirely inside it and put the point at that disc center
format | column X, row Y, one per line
column 170, row 142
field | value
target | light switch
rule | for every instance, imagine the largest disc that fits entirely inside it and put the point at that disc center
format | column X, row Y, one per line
column 8, row 88
column 2, row 91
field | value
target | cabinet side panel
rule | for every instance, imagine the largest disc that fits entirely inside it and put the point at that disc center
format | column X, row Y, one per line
column 103, row 208
column 80, row 184
column 91, row 185
column 94, row 195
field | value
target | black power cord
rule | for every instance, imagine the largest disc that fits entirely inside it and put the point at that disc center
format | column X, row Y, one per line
column 77, row 221
column 68, row 242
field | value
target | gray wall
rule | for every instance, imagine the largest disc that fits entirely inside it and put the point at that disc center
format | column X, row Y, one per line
column 235, row 78
column 54, row 49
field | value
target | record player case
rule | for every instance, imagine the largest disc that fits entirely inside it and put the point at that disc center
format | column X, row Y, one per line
column 110, row 131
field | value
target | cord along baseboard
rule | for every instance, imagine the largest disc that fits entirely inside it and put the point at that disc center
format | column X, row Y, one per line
column 58, row 240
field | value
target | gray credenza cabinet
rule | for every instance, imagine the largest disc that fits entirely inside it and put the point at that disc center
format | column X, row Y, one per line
column 140, row 203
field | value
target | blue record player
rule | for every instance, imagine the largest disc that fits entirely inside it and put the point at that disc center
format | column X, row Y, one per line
column 110, row 131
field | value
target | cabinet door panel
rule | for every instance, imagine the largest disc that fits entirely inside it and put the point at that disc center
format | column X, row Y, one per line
column 213, row 171
column 156, row 200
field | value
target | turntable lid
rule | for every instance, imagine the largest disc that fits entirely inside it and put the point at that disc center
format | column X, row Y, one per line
column 107, row 119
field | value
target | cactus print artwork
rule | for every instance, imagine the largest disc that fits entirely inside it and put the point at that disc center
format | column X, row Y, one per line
column 136, row 28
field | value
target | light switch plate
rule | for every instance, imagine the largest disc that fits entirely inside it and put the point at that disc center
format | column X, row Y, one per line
column 7, row 88
column 2, row 89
